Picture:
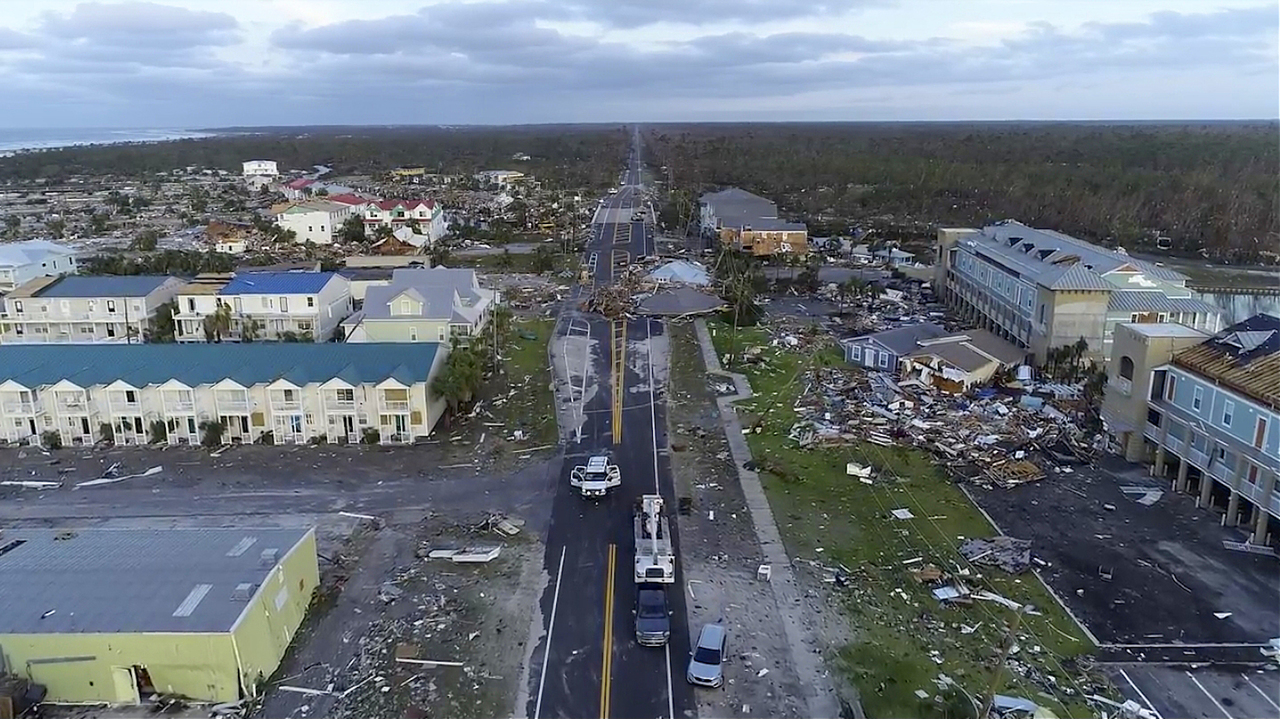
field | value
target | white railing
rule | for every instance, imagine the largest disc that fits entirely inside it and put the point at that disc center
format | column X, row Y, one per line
column 1220, row 471
column 395, row 405
column 179, row 405
column 1198, row 458
column 280, row 405
column 20, row 408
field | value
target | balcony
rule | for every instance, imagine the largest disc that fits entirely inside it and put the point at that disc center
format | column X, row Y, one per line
column 1198, row 458
column 339, row 404
column 285, row 405
column 233, row 406
column 395, row 405
column 1220, row 471
column 179, row 406
column 11, row 408
column 1253, row 493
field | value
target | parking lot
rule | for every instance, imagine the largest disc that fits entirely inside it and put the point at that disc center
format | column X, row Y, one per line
column 377, row 512
column 1179, row 618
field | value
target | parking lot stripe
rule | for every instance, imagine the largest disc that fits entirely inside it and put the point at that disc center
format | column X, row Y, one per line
column 1141, row 696
column 1270, row 701
column 1212, row 698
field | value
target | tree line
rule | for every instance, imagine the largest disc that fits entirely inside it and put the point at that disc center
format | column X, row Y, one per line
column 1210, row 187
column 562, row 156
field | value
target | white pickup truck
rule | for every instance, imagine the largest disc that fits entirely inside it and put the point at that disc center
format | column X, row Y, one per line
column 596, row 477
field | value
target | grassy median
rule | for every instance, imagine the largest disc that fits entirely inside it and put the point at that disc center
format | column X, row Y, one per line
column 905, row 638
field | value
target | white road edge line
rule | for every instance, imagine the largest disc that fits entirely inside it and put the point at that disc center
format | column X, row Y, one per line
column 1212, row 698
column 555, row 601
column 657, row 488
column 1141, row 696
column 1270, row 701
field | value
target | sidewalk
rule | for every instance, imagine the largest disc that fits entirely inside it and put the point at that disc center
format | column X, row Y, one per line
column 806, row 652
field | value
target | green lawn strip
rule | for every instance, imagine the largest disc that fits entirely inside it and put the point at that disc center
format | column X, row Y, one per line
column 900, row 627
column 524, row 388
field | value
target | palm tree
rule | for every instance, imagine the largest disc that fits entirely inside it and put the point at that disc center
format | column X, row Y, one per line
column 250, row 331
column 218, row 324
column 460, row 378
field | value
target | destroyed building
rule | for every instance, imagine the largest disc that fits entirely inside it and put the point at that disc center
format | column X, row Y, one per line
column 119, row 615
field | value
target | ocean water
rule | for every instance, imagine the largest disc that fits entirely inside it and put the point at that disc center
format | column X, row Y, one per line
column 35, row 138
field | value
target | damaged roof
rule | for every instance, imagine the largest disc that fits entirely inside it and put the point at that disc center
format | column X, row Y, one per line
column 902, row 340
column 133, row 580
column 1244, row 357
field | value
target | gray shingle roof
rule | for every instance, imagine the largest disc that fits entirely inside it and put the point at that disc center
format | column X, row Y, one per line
column 195, row 364
column 1077, row 278
column 1149, row 301
column 902, row 340
column 446, row 294
column 104, row 286
column 735, row 207
column 132, row 580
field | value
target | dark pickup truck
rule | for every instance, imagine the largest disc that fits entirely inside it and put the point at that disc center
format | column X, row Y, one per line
column 653, row 615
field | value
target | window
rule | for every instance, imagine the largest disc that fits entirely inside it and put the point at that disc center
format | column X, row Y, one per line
column 440, row 332
column 1173, row 383
column 191, row 304
column 413, row 334
column 1260, row 432
column 884, row 359
column 346, row 395
column 855, row 353
column 1040, row 318
column 1126, row 367
column 1228, row 409
column 1220, row 454
column 1197, row 398
column 65, row 306
column 111, row 306
column 17, row 306
column 284, row 304
column 92, row 306
column 311, row 301
column 405, row 307
column 130, row 396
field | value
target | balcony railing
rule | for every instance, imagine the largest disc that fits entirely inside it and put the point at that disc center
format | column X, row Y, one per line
column 395, row 405
column 179, row 405
column 1220, row 470
column 1198, row 458
column 280, row 405
column 20, row 407
column 230, row 406
column 73, row 406
column 335, row 403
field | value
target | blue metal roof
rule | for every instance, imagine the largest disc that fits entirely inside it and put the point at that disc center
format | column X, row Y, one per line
column 194, row 364
column 91, row 286
column 277, row 283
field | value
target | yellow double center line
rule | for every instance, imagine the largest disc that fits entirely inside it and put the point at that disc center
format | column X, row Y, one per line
column 606, row 667
column 618, row 340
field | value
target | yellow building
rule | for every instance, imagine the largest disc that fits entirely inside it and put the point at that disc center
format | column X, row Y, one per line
column 115, row 615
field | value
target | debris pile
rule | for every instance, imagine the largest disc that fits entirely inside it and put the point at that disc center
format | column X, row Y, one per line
column 991, row 440
column 1011, row 555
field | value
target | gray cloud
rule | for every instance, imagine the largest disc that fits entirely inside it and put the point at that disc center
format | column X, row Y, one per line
column 14, row 40
column 131, row 24
column 640, row 13
column 495, row 62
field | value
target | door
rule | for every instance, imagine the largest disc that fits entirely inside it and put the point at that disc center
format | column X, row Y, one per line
column 348, row 426
column 126, row 685
column 402, row 426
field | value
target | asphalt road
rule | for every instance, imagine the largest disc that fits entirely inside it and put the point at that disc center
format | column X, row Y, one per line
column 589, row 662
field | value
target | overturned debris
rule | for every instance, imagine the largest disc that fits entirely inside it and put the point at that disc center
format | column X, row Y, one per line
column 1010, row 554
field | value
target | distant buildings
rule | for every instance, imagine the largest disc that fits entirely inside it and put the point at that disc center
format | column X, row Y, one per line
column 749, row 223
column 302, row 305
column 197, row 613
column 425, row 215
column 1042, row 289
column 1205, row 410
column 83, row 310
column 24, row 261
column 260, row 173
column 503, row 179
column 174, row 393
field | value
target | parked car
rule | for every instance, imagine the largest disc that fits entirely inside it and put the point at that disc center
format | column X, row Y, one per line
column 707, row 657
column 653, row 616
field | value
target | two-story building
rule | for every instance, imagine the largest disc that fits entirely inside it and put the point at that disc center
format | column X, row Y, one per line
column 749, row 223
column 426, row 215
column 314, row 221
column 79, row 310
column 306, row 306
column 1042, row 289
column 21, row 262
column 1211, row 414
column 423, row 305
column 299, row 189
column 260, row 173
column 179, row 393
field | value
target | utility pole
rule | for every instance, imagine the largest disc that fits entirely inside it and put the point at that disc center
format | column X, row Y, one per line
column 998, row 672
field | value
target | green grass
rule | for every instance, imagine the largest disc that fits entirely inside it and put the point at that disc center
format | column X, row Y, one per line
column 896, row 623
column 529, row 402
column 523, row 262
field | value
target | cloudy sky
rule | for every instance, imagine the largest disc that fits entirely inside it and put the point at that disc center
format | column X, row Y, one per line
column 205, row 63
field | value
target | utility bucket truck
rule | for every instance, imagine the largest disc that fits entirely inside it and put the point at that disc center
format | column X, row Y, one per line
column 655, row 558
column 596, row 477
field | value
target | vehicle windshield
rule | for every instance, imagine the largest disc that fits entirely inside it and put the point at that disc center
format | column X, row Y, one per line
column 652, row 606
column 706, row 655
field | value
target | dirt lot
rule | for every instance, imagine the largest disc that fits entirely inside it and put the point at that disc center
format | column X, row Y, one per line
column 720, row 552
